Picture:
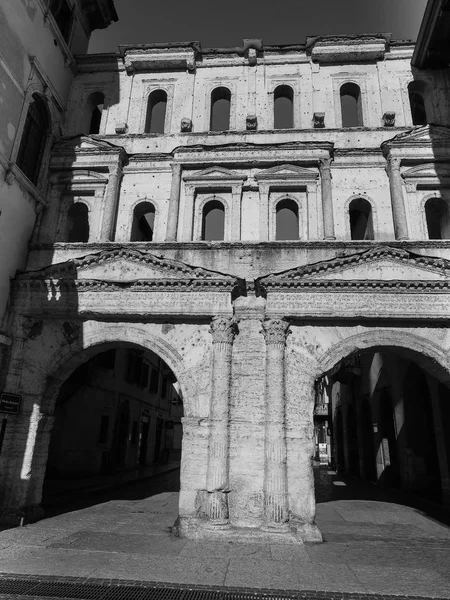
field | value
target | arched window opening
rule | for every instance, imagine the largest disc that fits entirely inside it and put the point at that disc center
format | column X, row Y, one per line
column 361, row 221
column 156, row 112
column 437, row 214
column 220, row 109
column 34, row 136
column 63, row 15
column 96, row 102
column 143, row 223
column 351, row 106
column 213, row 222
column 417, row 103
column 287, row 220
column 78, row 223
column 283, row 107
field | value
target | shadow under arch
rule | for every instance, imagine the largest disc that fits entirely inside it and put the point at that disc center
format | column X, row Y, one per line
column 70, row 357
column 418, row 349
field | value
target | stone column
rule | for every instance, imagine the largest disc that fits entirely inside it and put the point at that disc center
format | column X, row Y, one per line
column 275, row 472
column 397, row 202
column 110, row 205
column 264, row 212
column 327, row 199
column 174, row 203
column 223, row 331
column 235, row 225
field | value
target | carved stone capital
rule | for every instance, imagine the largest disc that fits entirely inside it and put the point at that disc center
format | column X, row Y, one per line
column 223, row 330
column 275, row 331
column 325, row 167
column 393, row 163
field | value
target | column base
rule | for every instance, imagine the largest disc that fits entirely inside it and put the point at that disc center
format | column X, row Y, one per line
column 195, row 528
column 212, row 524
column 276, row 527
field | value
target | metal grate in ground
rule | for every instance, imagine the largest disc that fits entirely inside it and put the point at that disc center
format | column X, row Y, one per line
column 72, row 588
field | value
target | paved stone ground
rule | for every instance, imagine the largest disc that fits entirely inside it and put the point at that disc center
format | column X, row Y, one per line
column 373, row 544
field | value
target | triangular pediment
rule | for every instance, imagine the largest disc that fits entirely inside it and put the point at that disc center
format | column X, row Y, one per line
column 80, row 176
column 287, row 172
column 427, row 134
column 214, row 173
column 382, row 264
column 127, row 265
column 85, row 143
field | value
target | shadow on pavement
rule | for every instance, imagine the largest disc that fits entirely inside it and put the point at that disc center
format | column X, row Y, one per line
column 331, row 487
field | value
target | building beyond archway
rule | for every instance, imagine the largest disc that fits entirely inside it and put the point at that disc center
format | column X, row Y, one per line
column 389, row 419
column 118, row 413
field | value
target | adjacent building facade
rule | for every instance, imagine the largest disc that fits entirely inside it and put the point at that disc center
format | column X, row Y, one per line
column 273, row 223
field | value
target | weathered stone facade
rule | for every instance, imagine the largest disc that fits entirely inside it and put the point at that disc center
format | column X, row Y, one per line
column 249, row 322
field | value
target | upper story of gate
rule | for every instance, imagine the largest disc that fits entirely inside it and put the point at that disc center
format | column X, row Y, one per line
column 159, row 96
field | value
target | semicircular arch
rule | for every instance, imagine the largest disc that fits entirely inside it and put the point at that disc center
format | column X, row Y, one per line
column 65, row 360
column 429, row 355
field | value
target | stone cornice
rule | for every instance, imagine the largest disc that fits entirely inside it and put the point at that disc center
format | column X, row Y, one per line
column 366, row 285
column 348, row 48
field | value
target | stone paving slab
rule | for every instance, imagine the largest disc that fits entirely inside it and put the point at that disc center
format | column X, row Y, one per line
column 124, row 543
column 188, row 570
column 405, row 581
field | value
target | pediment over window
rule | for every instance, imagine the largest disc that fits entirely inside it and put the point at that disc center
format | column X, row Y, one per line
column 436, row 171
column 381, row 267
column 287, row 172
column 81, row 176
column 428, row 134
column 85, row 144
column 214, row 174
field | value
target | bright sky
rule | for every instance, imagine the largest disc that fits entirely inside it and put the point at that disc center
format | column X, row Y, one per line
column 219, row 24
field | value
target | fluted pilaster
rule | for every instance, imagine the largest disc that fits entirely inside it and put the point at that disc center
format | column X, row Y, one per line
column 174, row 203
column 327, row 199
column 275, row 476
column 223, row 331
column 397, row 202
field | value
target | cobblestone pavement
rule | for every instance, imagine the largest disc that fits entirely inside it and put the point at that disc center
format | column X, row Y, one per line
column 374, row 544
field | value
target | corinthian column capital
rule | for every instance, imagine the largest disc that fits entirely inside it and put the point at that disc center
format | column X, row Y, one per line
column 223, row 330
column 325, row 166
column 275, row 331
